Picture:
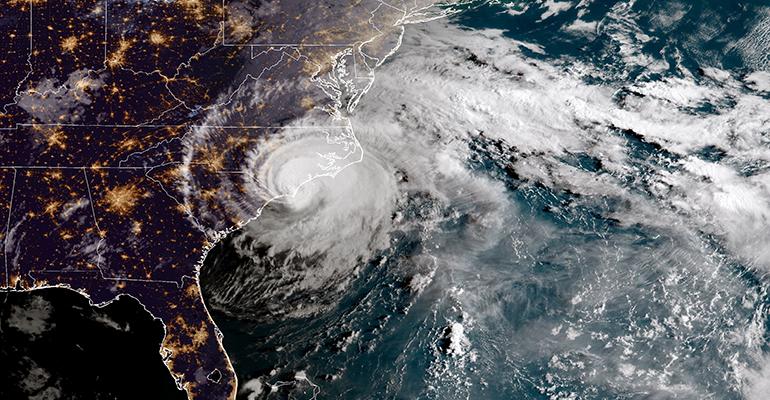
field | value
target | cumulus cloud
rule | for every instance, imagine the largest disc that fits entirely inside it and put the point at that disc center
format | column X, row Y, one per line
column 544, row 110
column 672, row 163
column 672, row 157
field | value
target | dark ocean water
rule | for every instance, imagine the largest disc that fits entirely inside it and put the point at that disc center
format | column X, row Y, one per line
column 53, row 344
column 704, row 32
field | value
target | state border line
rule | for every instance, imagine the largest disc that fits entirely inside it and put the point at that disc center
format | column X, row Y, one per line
column 109, row 278
column 290, row 45
column 83, row 167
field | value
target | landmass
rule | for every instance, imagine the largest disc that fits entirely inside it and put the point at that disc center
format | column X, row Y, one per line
column 130, row 130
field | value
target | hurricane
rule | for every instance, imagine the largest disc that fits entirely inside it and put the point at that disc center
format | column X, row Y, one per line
column 498, row 222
